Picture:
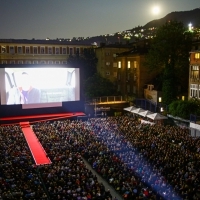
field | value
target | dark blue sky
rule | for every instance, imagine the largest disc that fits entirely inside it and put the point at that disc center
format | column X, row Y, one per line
column 39, row 19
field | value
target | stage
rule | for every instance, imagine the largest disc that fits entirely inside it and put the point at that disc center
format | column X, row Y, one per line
column 38, row 118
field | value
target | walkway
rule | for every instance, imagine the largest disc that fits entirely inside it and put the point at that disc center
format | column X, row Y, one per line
column 105, row 183
column 34, row 144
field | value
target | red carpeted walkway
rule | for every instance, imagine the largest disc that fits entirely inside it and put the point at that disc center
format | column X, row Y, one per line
column 38, row 152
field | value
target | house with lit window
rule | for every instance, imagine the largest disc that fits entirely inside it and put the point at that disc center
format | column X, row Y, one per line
column 22, row 51
column 132, row 74
column 107, row 59
column 194, row 87
column 194, row 75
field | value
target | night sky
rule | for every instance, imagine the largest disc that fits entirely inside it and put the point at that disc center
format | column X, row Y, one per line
column 39, row 19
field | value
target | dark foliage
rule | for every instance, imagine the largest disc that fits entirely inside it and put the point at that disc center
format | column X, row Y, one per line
column 183, row 109
column 169, row 52
column 97, row 86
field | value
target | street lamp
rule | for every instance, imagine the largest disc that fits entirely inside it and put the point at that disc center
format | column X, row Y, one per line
column 190, row 26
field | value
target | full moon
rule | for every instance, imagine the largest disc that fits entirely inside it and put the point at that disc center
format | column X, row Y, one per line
column 156, row 10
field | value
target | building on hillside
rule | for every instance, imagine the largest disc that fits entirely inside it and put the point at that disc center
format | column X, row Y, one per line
column 194, row 75
column 107, row 62
column 22, row 51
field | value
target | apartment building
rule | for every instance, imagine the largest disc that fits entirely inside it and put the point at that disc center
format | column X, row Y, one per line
column 107, row 59
column 13, row 51
column 194, row 75
column 132, row 75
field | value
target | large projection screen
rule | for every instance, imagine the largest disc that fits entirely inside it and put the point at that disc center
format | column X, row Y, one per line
column 36, row 87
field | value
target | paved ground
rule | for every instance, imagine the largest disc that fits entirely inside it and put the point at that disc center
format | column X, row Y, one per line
column 107, row 186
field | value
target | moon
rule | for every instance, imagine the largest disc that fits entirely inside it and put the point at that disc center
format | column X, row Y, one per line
column 156, row 10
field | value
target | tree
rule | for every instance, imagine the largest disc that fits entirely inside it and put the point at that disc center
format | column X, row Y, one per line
column 183, row 109
column 170, row 51
column 86, row 62
column 97, row 86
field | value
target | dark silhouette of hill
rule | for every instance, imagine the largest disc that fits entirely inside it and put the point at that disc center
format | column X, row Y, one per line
column 186, row 17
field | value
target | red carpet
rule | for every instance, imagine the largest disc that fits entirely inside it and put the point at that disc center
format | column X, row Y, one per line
column 34, row 144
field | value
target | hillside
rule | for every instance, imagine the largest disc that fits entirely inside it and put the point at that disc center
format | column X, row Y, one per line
column 131, row 35
column 192, row 16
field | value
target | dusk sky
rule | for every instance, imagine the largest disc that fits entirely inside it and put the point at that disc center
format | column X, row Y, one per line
column 39, row 19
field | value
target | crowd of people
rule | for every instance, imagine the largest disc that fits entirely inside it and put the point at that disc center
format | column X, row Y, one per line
column 67, row 177
column 140, row 161
column 19, row 177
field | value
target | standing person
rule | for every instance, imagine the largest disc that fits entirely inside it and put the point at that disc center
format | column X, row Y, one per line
column 25, row 93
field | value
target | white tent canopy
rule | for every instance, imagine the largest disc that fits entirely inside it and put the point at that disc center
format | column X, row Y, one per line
column 138, row 110
column 156, row 116
column 145, row 113
column 130, row 108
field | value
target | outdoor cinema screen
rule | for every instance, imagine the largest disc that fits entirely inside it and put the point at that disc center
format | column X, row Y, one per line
column 38, row 85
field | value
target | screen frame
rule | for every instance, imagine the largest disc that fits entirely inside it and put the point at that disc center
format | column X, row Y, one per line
column 70, row 106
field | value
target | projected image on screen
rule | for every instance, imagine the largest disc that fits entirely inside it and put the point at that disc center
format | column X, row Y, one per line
column 41, row 85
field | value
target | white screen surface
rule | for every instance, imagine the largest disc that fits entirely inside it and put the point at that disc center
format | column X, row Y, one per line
column 39, row 85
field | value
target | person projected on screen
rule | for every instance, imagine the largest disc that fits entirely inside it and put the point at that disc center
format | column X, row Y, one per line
column 25, row 93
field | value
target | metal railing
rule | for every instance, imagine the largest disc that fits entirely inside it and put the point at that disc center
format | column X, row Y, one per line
column 106, row 99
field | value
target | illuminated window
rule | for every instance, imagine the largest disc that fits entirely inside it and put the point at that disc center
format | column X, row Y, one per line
column 129, row 64
column 119, row 64
column 197, row 55
column 160, row 99
column 193, row 90
column 3, row 49
column 135, row 64
column 195, row 68
column 107, row 63
column 183, row 98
